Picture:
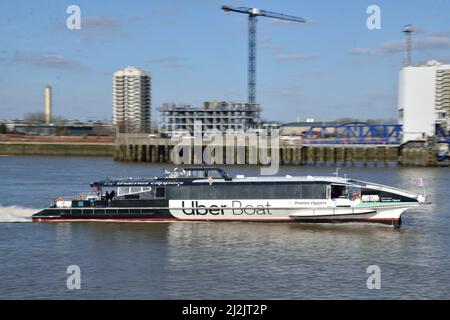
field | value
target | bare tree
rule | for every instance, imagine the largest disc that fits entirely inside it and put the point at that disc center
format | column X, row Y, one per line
column 35, row 117
column 39, row 118
column 3, row 128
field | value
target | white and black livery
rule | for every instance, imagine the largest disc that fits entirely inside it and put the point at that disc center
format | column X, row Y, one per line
column 210, row 194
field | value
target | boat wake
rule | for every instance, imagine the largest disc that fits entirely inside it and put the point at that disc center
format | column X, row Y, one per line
column 16, row 214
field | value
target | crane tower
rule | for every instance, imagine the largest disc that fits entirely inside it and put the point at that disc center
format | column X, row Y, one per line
column 253, row 13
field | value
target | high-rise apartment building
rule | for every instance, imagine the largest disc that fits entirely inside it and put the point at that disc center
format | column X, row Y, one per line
column 215, row 116
column 424, row 99
column 132, row 100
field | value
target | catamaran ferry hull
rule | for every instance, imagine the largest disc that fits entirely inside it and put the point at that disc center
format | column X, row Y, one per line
column 389, row 216
column 209, row 194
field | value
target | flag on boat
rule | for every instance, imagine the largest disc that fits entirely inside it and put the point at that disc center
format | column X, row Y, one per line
column 418, row 182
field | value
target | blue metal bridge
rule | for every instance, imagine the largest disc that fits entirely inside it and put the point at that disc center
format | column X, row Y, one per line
column 354, row 134
column 441, row 135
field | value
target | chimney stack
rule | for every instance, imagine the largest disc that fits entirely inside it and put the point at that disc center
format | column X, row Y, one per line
column 48, row 104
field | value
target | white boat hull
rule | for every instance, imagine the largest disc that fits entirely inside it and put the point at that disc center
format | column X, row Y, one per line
column 285, row 210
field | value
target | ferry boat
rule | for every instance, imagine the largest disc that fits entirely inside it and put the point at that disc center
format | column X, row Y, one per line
column 210, row 194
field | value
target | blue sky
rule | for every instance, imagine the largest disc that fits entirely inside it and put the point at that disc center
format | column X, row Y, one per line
column 333, row 67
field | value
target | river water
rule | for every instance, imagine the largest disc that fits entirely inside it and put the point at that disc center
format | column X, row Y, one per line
column 195, row 260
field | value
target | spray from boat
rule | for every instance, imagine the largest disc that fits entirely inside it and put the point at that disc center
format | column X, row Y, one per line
column 16, row 214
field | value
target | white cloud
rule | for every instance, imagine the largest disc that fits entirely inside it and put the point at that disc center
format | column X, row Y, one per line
column 169, row 62
column 267, row 43
column 95, row 28
column 47, row 60
column 103, row 23
column 433, row 42
column 295, row 56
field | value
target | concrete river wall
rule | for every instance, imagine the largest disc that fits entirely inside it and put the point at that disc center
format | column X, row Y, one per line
column 142, row 149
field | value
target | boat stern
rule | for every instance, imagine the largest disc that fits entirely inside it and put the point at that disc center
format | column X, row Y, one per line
column 45, row 215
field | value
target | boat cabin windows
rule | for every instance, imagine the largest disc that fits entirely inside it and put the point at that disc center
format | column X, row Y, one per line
column 216, row 174
column 121, row 191
column 313, row 191
column 339, row 191
column 249, row 191
column 345, row 192
column 198, row 173
column 160, row 192
column 369, row 195
column 372, row 195
column 204, row 173
column 370, row 198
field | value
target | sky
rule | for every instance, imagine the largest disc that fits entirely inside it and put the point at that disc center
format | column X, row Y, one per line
column 331, row 67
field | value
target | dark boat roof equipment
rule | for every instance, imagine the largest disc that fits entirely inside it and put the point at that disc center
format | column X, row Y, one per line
column 189, row 173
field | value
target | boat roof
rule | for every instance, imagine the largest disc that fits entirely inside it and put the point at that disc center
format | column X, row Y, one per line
column 288, row 178
column 202, row 169
column 182, row 176
column 143, row 181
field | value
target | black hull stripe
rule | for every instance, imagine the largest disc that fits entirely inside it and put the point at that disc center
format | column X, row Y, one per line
column 315, row 220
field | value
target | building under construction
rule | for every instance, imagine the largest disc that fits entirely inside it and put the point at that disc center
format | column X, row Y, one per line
column 214, row 116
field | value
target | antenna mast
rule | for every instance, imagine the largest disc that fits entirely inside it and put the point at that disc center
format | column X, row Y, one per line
column 408, row 31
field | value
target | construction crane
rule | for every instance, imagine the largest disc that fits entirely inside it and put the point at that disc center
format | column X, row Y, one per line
column 253, row 13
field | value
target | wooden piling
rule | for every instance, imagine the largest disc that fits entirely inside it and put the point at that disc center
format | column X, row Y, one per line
column 413, row 154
